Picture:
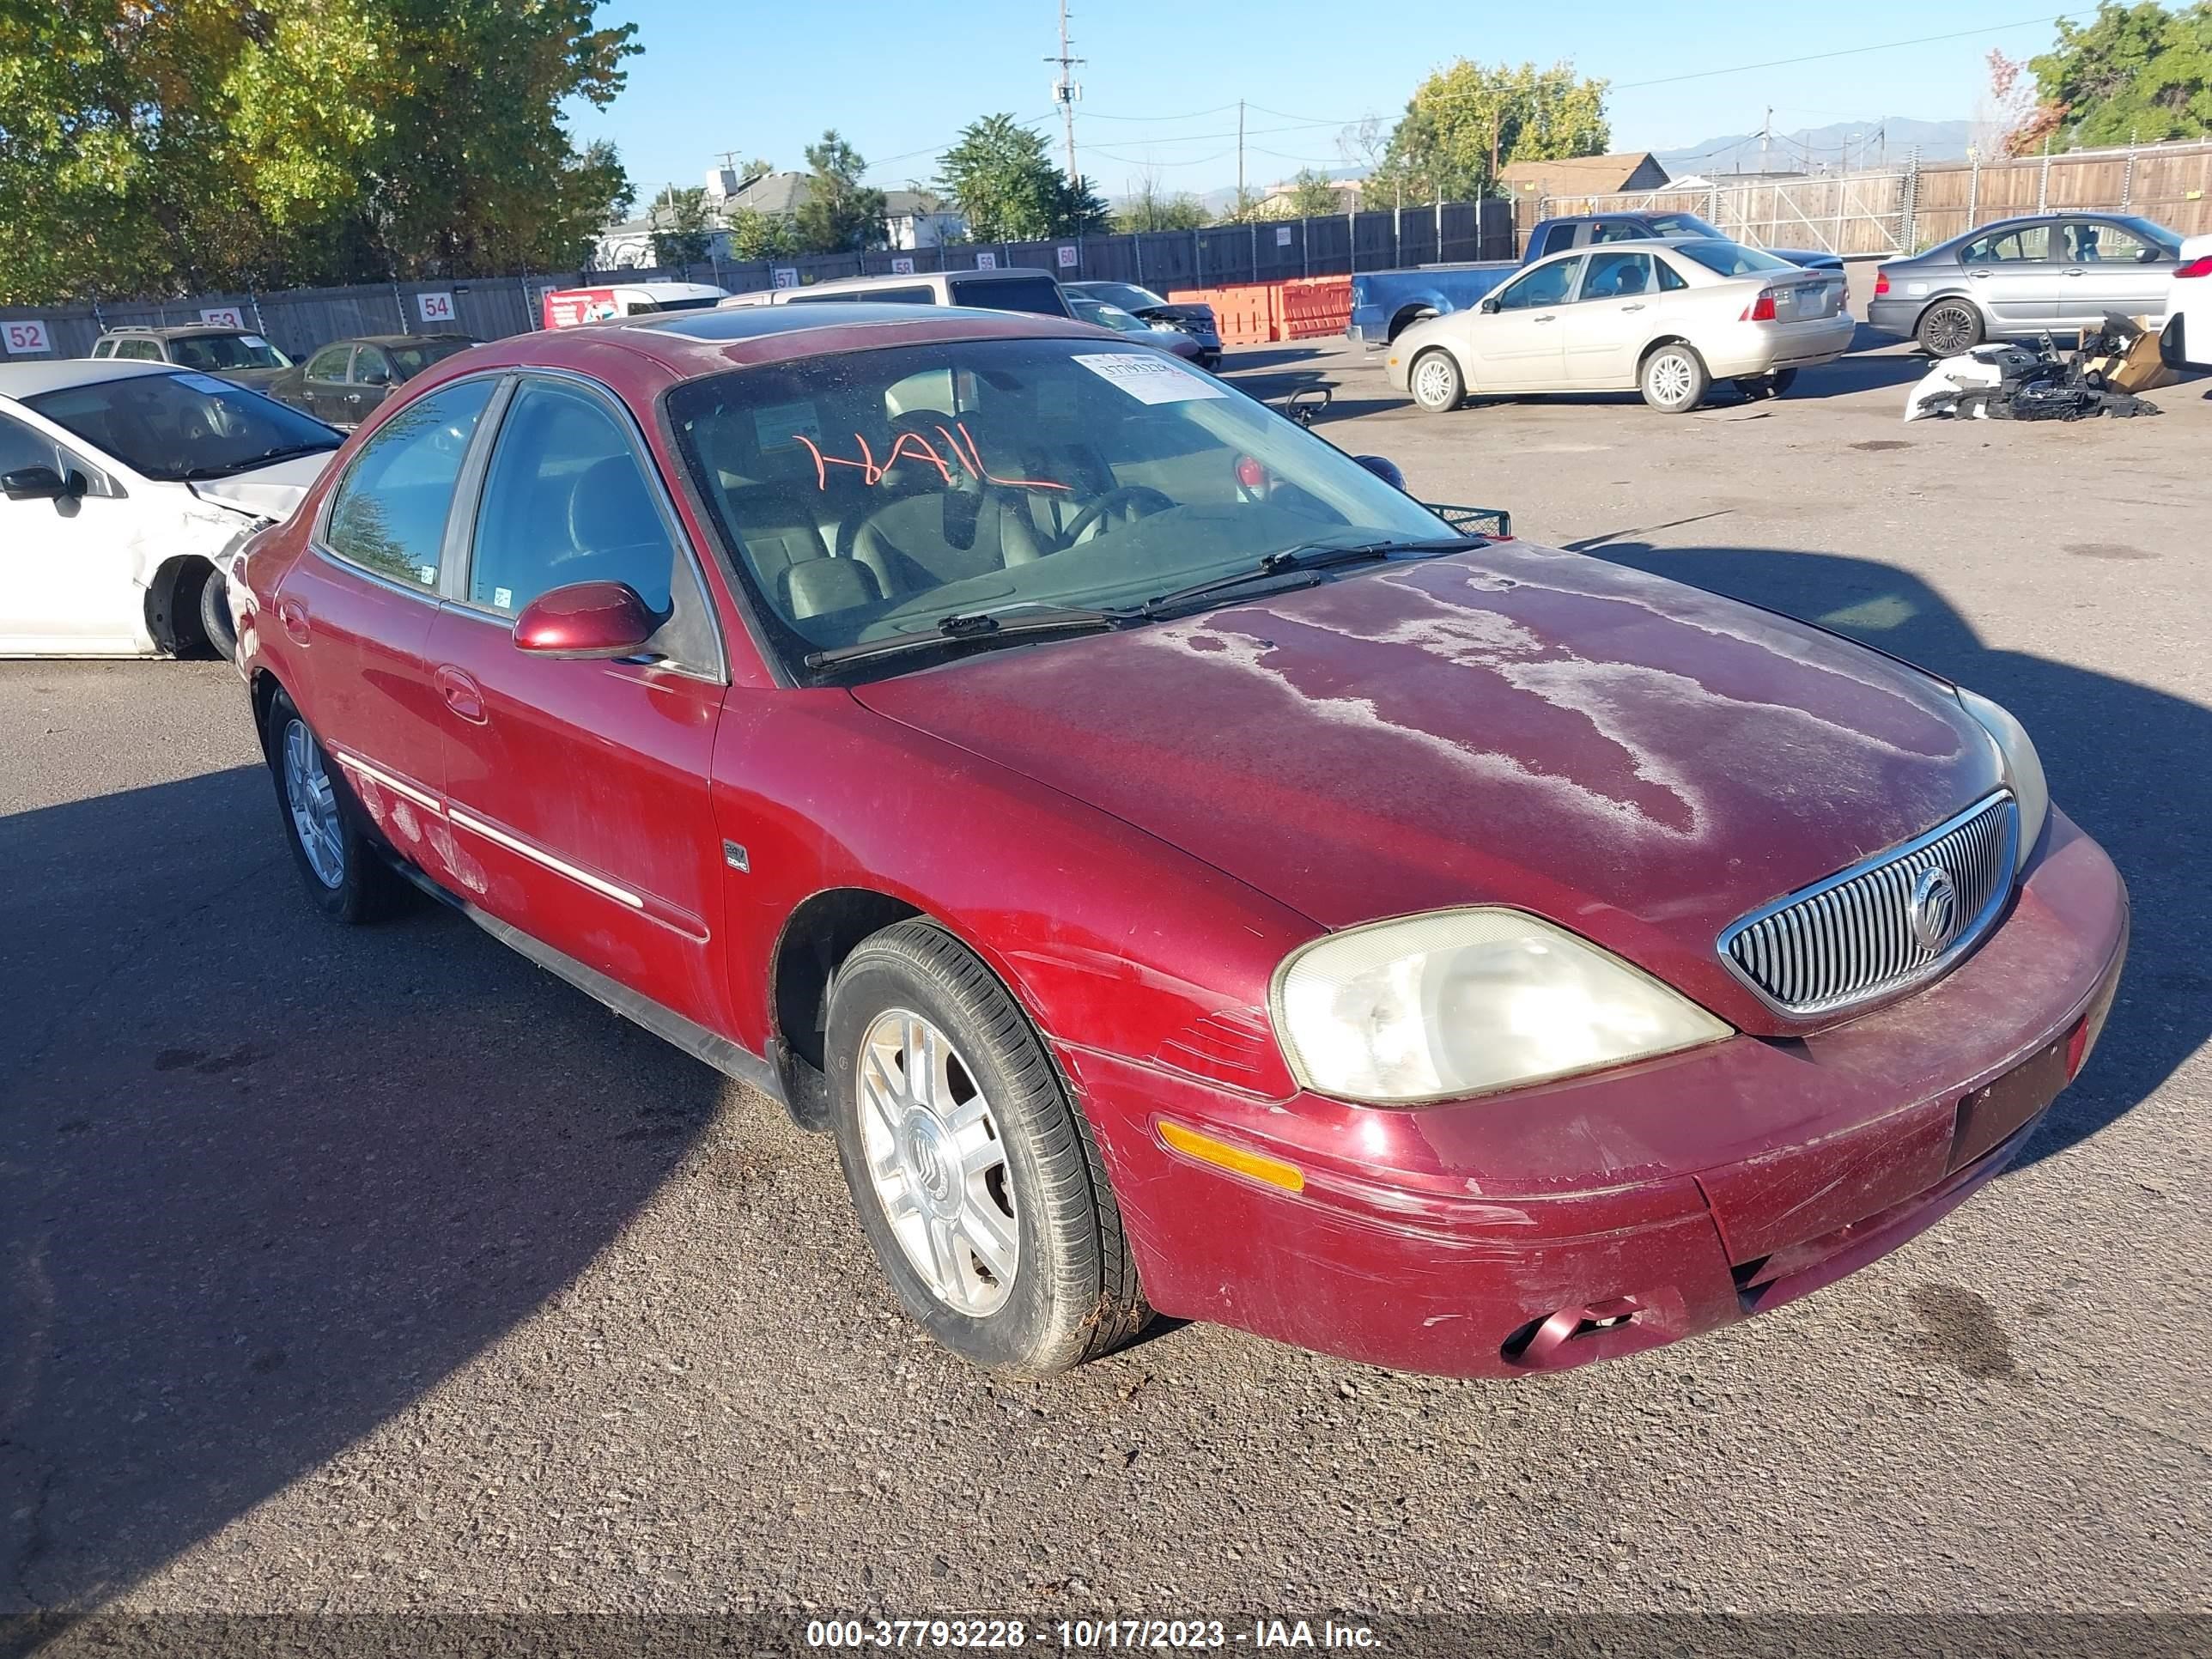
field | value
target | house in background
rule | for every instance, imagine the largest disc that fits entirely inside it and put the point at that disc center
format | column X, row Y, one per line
column 912, row 218
column 1570, row 184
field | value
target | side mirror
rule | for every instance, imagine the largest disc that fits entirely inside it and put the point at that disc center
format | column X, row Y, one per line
column 41, row 484
column 586, row 619
column 1383, row 468
column 376, row 377
column 1489, row 306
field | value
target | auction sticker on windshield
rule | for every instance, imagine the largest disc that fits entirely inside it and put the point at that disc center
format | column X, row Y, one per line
column 1149, row 377
column 207, row 383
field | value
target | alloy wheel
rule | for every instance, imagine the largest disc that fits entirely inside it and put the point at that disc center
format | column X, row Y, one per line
column 1950, row 331
column 1433, row 382
column 314, row 805
column 1670, row 378
column 938, row 1163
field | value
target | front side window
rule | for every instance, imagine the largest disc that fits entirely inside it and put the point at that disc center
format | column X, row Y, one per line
column 867, row 495
column 328, row 364
column 21, row 446
column 1546, row 285
column 1039, row 295
column 2025, row 244
column 216, row 352
column 566, row 499
column 1558, row 239
column 183, row 426
column 1617, row 276
column 371, row 367
column 389, row 514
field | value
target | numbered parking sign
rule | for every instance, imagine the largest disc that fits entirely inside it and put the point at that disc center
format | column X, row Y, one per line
column 786, row 277
column 222, row 317
column 903, row 267
column 1282, row 235
column 1067, row 258
column 26, row 337
column 987, row 262
column 436, row 307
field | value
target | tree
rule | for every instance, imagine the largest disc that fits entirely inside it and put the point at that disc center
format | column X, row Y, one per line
column 757, row 235
column 999, row 175
column 153, row 149
column 840, row 213
column 2136, row 74
column 1466, row 123
column 1311, row 196
column 1148, row 207
column 682, row 234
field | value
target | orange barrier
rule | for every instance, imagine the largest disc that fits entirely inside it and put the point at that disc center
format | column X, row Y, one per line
column 1245, row 314
column 1312, row 306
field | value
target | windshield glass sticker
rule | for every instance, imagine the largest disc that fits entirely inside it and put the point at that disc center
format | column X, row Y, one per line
column 785, row 426
column 1149, row 377
column 206, row 383
column 255, row 341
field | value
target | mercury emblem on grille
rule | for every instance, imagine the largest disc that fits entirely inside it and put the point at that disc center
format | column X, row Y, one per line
column 1933, row 909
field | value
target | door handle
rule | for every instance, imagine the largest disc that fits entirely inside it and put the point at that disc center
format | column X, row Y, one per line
column 462, row 694
column 292, row 616
column 1638, row 306
column 1977, row 276
column 353, row 397
column 1549, row 316
column 2077, row 272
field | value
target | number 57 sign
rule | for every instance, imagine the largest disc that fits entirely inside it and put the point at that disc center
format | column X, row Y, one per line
column 25, row 336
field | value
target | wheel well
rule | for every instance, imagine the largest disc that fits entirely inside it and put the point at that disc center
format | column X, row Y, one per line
column 1407, row 316
column 1663, row 340
column 262, row 689
column 172, row 604
column 816, row 938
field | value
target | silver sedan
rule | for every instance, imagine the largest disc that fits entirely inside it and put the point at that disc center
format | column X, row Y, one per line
column 2052, row 272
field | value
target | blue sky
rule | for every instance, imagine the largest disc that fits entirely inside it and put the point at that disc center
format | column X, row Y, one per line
column 899, row 81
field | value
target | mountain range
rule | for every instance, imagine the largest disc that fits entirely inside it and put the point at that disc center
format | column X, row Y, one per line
column 1890, row 138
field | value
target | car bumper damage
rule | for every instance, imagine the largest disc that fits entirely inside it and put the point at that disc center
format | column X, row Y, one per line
column 1545, row 1228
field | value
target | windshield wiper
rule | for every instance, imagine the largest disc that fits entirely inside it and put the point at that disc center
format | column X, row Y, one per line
column 280, row 453
column 1309, row 559
column 964, row 626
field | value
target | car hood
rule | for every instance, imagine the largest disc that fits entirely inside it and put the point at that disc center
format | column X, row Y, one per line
column 1639, row 761
column 1176, row 312
column 267, row 492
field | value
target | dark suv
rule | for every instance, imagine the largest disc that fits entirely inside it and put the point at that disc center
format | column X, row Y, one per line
column 237, row 354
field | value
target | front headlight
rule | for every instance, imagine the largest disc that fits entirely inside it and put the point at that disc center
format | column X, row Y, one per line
column 1440, row 1006
column 1167, row 328
column 2023, row 767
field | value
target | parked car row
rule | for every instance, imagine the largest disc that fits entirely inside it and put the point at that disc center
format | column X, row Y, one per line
column 340, row 384
column 1287, row 918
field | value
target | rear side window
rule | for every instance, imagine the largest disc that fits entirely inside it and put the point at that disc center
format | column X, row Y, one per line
column 103, row 349
column 328, row 364
column 389, row 515
column 566, row 499
column 844, row 296
column 141, row 351
column 1039, row 295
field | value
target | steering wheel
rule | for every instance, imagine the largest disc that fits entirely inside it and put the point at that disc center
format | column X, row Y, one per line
column 1143, row 497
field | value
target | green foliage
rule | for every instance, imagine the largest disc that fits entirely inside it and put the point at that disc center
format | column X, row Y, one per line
column 757, row 235
column 840, row 213
column 1000, row 176
column 1150, row 208
column 199, row 144
column 1463, row 115
column 2137, row 74
column 682, row 232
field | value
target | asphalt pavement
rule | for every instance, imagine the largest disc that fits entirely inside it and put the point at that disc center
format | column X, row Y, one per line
column 373, row 1270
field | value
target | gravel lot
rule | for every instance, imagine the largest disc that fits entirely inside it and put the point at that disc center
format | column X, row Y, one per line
column 376, row 1270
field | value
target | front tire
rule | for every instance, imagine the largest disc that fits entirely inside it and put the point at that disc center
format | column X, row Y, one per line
column 1673, row 379
column 1756, row 386
column 973, row 1176
column 214, row 616
column 1437, row 384
column 1950, row 328
column 346, row 878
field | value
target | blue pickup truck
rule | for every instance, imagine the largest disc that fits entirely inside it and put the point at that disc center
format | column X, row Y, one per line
column 1384, row 303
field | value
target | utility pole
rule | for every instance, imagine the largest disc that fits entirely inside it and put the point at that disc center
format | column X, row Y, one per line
column 1766, row 137
column 1240, row 155
column 1064, row 92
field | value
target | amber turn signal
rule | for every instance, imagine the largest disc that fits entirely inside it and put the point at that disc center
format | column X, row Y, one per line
column 1235, row 1159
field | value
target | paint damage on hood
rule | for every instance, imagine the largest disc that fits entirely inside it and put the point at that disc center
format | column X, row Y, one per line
column 267, row 492
column 1637, row 760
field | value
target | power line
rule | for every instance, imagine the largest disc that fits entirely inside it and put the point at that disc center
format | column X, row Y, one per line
column 1188, row 115
column 1844, row 51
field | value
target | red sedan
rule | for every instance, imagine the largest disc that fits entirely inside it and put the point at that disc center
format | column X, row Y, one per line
column 1180, row 872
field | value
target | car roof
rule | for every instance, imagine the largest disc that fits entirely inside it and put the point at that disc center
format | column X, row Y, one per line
column 28, row 379
column 882, row 279
column 174, row 330
column 395, row 339
column 642, row 356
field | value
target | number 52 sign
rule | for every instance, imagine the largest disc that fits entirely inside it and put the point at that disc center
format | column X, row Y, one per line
column 25, row 336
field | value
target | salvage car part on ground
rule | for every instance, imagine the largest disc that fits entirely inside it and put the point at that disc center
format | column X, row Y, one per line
column 2030, row 383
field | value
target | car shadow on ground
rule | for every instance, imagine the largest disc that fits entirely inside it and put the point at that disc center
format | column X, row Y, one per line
column 266, row 1180
column 2115, row 754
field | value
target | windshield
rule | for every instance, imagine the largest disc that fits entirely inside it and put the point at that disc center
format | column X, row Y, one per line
column 172, row 427
column 1101, row 315
column 411, row 360
column 1128, row 295
column 876, row 493
column 1728, row 260
column 221, row 351
column 1683, row 224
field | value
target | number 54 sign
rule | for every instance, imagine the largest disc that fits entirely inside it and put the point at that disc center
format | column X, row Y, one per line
column 436, row 307
column 25, row 336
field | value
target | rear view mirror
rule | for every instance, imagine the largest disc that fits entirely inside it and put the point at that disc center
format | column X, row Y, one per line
column 586, row 619
column 1383, row 468
column 41, row 484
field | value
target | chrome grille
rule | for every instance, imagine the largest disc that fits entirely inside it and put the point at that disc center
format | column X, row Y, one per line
column 1851, row 938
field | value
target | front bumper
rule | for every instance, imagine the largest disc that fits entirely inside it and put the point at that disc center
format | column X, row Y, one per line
column 1557, row 1225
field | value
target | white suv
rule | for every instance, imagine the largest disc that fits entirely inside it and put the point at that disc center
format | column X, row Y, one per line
column 1020, row 289
column 2187, row 341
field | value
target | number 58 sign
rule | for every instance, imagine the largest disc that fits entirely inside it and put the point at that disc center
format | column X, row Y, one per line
column 25, row 336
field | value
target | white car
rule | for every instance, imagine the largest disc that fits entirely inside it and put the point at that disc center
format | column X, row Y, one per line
column 2186, row 342
column 1665, row 319
column 128, row 486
